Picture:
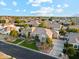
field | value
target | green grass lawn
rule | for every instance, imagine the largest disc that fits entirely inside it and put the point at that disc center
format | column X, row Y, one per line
column 17, row 41
column 31, row 44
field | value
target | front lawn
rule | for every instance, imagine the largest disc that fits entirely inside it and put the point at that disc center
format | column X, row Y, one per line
column 17, row 41
column 31, row 44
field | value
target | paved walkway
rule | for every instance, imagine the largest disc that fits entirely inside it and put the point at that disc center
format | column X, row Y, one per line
column 21, row 42
column 57, row 48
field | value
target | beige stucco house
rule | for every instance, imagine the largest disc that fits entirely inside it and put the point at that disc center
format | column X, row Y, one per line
column 43, row 33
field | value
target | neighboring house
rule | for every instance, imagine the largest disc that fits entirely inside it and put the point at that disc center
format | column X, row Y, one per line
column 74, row 39
column 49, row 24
column 7, row 19
column 33, row 22
column 6, row 28
column 43, row 33
column 56, row 26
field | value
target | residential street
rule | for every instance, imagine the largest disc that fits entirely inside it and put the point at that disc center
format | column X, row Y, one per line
column 57, row 48
column 21, row 53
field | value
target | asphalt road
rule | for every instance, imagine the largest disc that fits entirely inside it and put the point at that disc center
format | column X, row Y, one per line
column 21, row 53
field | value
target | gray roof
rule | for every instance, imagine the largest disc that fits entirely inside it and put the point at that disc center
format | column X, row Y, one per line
column 72, row 37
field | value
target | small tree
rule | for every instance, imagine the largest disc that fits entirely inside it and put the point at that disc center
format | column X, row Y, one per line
column 62, row 32
column 72, row 22
column 43, row 24
column 49, row 41
column 50, row 19
column 2, row 21
column 14, row 33
column 71, row 51
column 19, row 21
column 72, row 30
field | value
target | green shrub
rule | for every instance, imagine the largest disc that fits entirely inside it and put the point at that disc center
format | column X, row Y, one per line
column 72, row 30
column 66, row 45
column 71, row 51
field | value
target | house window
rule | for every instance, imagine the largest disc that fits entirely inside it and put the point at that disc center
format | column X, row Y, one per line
column 75, row 46
column 78, row 46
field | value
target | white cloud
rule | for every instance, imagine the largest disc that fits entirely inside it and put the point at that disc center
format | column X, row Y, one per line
column 59, row 10
column 58, row 6
column 38, row 2
column 66, row 5
column 14, row 3
column 35, row 4
column 7, row 9
column 17, row 10
column 2, row 3
column 43, row 11
column 24, row 10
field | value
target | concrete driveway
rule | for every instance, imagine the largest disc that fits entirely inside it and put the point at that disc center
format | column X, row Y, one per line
column 57, row 48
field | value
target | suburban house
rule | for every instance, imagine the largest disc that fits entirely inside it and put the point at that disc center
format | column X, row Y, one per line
column 7, row 19
column 33, row 22
column 6, row 28
column 56, row 26
column 49, row 24
column 74, row 39
column 42, row 33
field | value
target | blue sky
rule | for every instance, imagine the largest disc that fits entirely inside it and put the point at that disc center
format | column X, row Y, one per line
column 39, row 7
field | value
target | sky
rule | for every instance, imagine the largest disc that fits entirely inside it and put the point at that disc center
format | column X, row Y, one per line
column 39, row 7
